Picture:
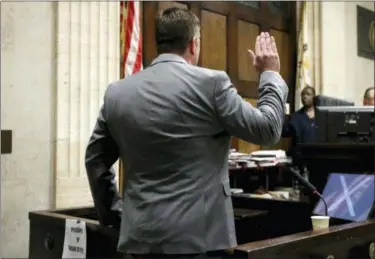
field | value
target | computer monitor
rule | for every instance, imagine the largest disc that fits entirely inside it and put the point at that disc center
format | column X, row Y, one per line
column 321, row 100
column 348, row 196
column 345, row 124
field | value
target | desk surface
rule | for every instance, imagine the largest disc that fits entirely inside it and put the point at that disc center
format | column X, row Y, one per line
column 251, row 196
column 248, row 213
column 311, row 239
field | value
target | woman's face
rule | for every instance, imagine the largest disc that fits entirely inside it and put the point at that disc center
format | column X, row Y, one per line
column 307, row 97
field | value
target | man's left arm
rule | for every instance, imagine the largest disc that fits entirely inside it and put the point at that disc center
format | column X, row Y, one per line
column 101, row 153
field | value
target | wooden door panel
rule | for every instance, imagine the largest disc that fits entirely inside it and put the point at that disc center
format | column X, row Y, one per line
column 246, row 77
column 214, row 40
column 283, row 42
column 246, row 147
column 284, row 144
column 246, row 36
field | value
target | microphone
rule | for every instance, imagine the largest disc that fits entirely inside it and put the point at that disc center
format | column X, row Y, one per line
column 310, row 187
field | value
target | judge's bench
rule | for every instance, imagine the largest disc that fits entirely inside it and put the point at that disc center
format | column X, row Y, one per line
column 271, row 205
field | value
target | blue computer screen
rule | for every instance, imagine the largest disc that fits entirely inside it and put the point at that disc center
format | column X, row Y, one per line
column 348, row 196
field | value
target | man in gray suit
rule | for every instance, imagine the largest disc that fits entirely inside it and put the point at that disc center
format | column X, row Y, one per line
column 171, row 124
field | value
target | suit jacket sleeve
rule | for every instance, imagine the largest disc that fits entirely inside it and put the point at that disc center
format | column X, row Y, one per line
column 101, row 153
column 261, row 125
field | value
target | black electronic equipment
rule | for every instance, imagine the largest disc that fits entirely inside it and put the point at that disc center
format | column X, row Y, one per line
column 345, row 124
column 321, row 100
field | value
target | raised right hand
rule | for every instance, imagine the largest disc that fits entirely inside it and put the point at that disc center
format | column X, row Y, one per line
column 265, row 56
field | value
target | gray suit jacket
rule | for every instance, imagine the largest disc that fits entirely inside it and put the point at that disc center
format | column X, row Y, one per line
column 171, row 125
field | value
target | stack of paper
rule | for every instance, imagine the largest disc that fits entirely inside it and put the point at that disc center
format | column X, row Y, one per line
column 268, row 154
column 257, row 158
column 268, row 157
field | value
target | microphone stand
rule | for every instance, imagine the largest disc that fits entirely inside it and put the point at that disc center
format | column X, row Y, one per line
column 310, row 187
column 324, row 202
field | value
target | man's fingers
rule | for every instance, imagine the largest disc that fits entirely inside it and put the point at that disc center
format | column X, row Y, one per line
column 262, row 41
column 273, row 44
column 257, row 46
column 268, row 43
column 252, row 56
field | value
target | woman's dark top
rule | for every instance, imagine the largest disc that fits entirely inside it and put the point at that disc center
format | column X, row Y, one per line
column 300, row 128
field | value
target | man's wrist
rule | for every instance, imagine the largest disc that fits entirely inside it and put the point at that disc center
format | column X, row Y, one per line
column 270, row 70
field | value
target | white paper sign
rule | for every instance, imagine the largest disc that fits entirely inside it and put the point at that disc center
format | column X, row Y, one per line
column 75, row 239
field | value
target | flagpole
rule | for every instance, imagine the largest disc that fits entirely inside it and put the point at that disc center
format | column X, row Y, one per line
column 131, row 51
column 123, row 16
column 300, row 56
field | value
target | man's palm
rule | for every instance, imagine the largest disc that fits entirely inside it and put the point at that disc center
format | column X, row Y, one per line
column 266, row 56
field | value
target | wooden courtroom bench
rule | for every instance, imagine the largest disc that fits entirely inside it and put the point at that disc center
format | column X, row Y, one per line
column 353, row 240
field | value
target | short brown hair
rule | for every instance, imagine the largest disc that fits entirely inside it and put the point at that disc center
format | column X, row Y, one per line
column 175, row 29
column 367, row 92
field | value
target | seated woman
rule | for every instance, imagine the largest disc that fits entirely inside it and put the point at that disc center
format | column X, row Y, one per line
column 301, row 126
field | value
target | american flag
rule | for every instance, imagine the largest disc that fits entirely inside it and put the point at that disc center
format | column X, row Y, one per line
column 131, row 51
column 131, row 38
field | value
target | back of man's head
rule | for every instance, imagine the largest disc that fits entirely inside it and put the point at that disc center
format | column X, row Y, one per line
column 176, row 28
column 368, row 97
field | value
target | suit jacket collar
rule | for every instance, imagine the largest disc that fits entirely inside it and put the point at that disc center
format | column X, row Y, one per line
column 168, row 58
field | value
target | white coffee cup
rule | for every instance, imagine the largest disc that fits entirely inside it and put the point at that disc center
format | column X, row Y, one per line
column 320, row 222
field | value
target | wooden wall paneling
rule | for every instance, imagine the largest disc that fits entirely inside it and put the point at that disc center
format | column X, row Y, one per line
column 219, row 7
column 214, row 40
column 248, row 14
column 266, row 20
column 195, row 7
column 232, row 46
column 282, row 43
column 246, row 147
column 228, row 29
column 271, row 19
column 150, row 11
column 246, row 36
column 245, row 75
column 284, row 144
column 243, row 35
